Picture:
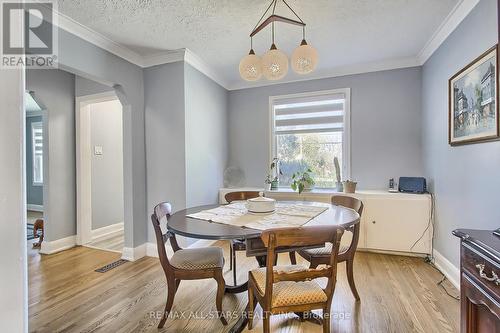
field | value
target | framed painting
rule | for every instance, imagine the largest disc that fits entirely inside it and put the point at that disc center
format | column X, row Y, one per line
column 473, row 107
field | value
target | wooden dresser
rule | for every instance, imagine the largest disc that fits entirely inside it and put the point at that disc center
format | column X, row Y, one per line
column 479, row 281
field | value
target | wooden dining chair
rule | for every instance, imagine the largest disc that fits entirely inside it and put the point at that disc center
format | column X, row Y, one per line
column 238, row 244
column 186, row 264
column 285, row 289
column 321, row 256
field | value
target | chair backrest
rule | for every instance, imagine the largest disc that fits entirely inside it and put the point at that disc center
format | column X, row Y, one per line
column 357, row 205
column 349, row 202
column 159, row 218
column 301, row 237
column 241, row 195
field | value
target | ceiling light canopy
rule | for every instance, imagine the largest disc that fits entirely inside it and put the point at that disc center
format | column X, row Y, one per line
column 274, row 63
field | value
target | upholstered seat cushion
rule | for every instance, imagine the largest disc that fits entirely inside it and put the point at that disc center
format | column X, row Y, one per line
column 325, row 251
column 287, row 293
column 201, row 258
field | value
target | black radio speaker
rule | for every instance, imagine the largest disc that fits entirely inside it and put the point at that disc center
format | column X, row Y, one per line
column 412, row 185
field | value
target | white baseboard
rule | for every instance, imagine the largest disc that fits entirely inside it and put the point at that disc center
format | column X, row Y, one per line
column 449, row 270
column 107, row 232
column 134, row 253
column 152, row 250
column 35, row 208
column 58, row 245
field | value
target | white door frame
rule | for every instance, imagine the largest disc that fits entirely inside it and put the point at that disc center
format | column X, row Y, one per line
column 84, row 164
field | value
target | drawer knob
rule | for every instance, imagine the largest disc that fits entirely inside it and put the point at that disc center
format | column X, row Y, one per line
column 493, row 278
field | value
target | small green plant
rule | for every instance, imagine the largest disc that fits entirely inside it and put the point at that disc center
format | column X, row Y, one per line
column 302, row 181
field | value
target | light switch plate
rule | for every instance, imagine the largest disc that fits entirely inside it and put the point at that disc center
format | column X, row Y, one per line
column 97, row 150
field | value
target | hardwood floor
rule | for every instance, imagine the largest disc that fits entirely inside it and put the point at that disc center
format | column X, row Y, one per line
column 114, row 243
column 398, row 294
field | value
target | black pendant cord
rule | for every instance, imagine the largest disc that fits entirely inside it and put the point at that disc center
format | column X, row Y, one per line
column 294, row 13
column 268, row 7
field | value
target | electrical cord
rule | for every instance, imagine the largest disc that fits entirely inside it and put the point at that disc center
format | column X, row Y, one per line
column 429, row 224
column 430, row 259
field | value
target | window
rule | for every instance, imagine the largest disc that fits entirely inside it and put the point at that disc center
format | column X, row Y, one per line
column 308, row 131
column 37, row 150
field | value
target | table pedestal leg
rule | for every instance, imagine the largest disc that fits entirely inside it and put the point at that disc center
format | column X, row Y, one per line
column 243, row 320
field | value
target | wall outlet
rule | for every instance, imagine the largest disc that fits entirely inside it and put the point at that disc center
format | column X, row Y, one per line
column 97, row 150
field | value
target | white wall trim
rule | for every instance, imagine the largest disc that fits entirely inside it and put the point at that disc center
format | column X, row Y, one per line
column 197, row 62
column 58, row 245
column 152, row 250
column 451, row 22
column 449, row 270
column 354, row 69
column 93, row 37
column 107, row 231
column 459, row 12
column 134, row 253
column 35, row 208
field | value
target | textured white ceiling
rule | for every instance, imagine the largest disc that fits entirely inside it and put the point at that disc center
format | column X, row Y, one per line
column 345, row 32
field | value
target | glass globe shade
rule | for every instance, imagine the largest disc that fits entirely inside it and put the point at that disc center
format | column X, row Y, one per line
column 250, row 67
column 274, row 64
column 304, row 59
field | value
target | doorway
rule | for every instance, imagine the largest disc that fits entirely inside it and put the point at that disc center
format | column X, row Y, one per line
column 35, row 150
column 99, row 164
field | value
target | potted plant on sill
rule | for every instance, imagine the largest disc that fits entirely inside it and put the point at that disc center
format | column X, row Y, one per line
column 302, row 181
column 272, row 179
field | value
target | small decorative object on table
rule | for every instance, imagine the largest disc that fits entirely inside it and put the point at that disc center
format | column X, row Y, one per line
column 272, row 179
column 302, row 181
column 350, row 186
column 261, row 205
column 339, row 185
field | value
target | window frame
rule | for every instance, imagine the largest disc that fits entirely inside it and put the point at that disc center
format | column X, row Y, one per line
column 346, row 134
column 35, row 125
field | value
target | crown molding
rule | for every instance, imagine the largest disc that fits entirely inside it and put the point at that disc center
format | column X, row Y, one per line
column 459, row 12
column 451, row 22
column 67, row 23
column 194, row 60
column 370, row 67
column 161, row 58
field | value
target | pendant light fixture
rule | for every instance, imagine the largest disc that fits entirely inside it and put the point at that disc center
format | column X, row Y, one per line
column 305, row 57
column 274, row 63
column 250, row 66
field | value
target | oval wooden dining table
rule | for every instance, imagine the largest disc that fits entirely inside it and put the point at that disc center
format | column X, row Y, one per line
column 181, row 224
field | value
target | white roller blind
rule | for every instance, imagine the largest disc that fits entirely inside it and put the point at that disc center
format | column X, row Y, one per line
column 323, row 113
column 37, row 138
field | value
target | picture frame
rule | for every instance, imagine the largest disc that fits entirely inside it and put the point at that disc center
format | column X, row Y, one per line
column 473, row 114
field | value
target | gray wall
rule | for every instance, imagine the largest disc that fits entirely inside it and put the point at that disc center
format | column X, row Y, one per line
column 464, row 179
column 89, row 61
column 165, row 136
column 107, row 169
column 56, row 90
column 186, row 138
column 385, row 125
column 84, row 87
column 206, row 137
column 34, row 193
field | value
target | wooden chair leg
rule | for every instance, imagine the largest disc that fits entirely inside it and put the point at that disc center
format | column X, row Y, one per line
column 231, row 255
column 234, row 266
column 293, row 258
column 220, row 294
column 266, row 321
column 326, row 320
column 177, row 283
column 251, row 307
column 172, row 288
column 350, row 277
